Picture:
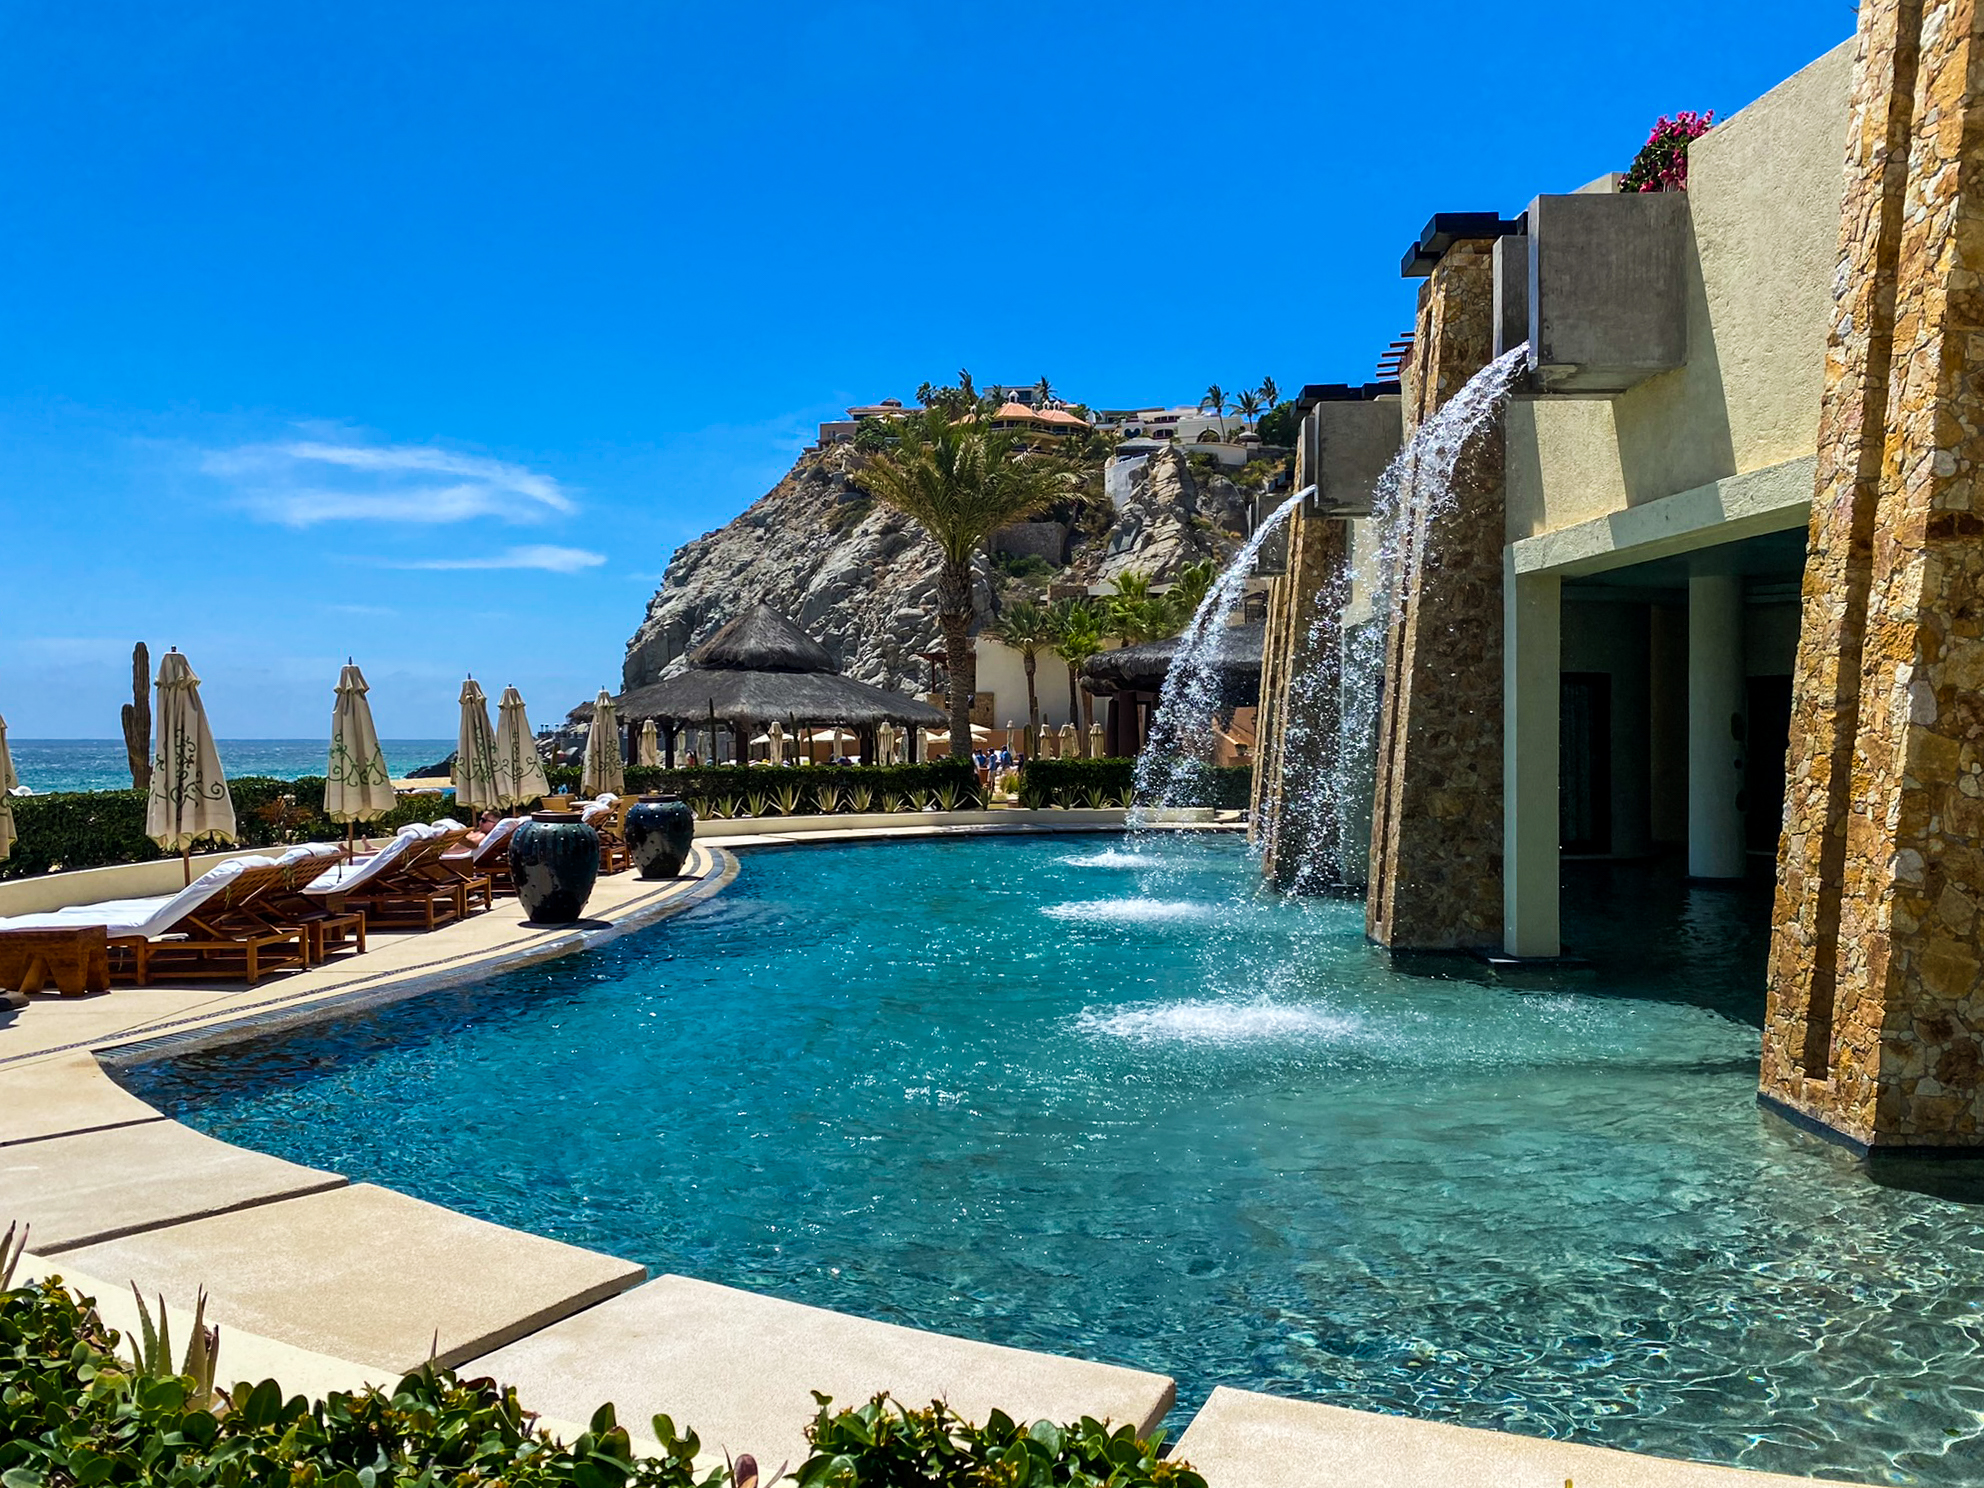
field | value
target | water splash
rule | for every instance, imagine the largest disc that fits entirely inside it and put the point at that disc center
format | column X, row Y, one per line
column 1131, row 911
column 1204, row 1021
column 1112, row 858
column 1174, row 769
column 1320, row 826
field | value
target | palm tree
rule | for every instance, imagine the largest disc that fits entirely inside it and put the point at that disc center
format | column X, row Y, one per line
column 1027, row 628
column 1248, row 405
column 1216, row 400
column 959, row 482
column 1043, row 393
column 1133, row 614
column 1188, row 591
column 1078, row 635
column 1270, row 394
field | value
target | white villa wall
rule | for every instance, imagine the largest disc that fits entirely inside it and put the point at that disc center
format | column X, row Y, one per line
column 1001, row 672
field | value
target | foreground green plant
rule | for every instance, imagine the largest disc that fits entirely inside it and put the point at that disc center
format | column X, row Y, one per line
column 71, row 1413
column 887, row 1445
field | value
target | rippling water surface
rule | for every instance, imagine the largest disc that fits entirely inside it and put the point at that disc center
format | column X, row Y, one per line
column 1110, row 1099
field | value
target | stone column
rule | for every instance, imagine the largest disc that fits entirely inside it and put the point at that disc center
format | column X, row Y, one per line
column 1304, row 849
column 1715, row 725
column 1532, row 671
column 1876, row 1002
column 1436, row 831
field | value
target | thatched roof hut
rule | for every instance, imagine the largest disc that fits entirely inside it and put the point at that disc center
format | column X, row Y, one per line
column 1144, row 668
column 762, row 668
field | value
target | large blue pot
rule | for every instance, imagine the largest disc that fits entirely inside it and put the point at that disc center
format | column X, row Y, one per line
column 554, row 862
column 660, row 830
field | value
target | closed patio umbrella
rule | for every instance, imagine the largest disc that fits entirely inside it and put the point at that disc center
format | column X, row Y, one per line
column 8, row 780
column 1095, row 741
column 649, row 753
column 1071, row 741
column 520, row 777
column 188, row 801
column 357, row 785
column 475, row 752
column 603, row 773
column 775, row 738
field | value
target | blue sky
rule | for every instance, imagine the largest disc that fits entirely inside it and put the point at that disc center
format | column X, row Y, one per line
column 426, row 333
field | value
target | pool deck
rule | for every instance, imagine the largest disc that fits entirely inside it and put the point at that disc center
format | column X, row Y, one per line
column 328, row 1284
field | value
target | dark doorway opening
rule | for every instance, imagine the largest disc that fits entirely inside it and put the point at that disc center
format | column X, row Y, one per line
column 1584, row 745
column 1763, row 765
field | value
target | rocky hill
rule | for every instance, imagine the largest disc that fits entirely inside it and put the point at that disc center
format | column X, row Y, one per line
column 862, row 579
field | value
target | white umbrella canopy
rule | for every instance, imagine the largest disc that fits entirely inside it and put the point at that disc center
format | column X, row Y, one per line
column 8, row 781
column 649, row 752
column 475, row 752
column 357, row 785
column 603, row 773
column 520, row 777
column 189, row 800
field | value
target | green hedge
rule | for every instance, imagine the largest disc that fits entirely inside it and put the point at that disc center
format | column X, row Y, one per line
column 1110, row 782
column 93, row 829
column 74, row 1412
column 803, row 790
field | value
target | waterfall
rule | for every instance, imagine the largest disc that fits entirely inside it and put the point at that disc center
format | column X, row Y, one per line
column 1173, row 769
column 1330, row 815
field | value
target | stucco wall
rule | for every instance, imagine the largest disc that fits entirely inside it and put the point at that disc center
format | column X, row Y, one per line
column 1764, row 189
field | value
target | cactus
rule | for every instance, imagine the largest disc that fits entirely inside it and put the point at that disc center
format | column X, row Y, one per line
column 137, row 717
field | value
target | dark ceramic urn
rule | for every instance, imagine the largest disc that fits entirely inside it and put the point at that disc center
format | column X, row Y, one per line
column 554, row 862
column 660, row 830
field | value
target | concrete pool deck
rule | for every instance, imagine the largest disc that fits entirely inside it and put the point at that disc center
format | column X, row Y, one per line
column 326, row 1284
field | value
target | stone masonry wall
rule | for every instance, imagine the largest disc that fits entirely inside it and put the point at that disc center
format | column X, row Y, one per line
column 1876, row 987
column 1436, row 830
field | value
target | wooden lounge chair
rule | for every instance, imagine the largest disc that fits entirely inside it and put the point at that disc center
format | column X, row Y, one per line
column 327, row 932
column 608, row 817
column 403, row 883
column 204, row 932
column 488, row 859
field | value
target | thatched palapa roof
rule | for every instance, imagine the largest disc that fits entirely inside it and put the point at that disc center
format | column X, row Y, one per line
column 762, row 668
column 1144, row 668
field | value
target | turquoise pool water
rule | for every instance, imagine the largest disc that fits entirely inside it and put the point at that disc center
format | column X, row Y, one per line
column 1081, row 1095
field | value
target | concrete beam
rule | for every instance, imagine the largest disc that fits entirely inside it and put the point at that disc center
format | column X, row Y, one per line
column 1532, row 660
column 1608, row 303
column 1777, row 498
column 93, row 1186
column 739, row 1366
column 366, row 1274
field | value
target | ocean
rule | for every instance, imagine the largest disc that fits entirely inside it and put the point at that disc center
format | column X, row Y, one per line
column 99, row 764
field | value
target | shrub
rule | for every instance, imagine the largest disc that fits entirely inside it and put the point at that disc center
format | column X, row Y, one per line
column 884, row 1443
column 801, row 790
column 72, row 1412
column 1662, row 164
column 1081, row 782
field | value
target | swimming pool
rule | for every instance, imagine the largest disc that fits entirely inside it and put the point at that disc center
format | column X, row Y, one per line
column 1111, row 1099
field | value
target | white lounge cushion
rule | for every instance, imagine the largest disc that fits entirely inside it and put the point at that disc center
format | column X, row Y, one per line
column 153, row 916
column 497, row 842
column 344, row 877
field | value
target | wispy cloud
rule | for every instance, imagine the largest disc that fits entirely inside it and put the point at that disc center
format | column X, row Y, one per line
column 539, row 555
column 303, row 482
column 359, row 609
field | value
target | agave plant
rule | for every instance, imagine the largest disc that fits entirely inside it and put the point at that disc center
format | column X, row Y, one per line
column 11, row 1251
column 1095, row 798
column 829, row 799
column 757, row 803
column 719, row 808
column 860, row 798
column 151, row 1353
column 893, row 801
column 945, row 796
column 1033, row 795
column 789, row 798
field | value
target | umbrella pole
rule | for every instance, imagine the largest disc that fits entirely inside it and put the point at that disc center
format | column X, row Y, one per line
column 186, row 864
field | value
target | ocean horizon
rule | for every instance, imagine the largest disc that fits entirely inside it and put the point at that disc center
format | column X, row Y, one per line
column 48, row 765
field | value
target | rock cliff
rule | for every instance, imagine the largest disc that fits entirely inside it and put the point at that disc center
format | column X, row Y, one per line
column 862, row 580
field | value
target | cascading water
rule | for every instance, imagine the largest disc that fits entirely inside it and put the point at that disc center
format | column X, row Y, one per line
column 1325, row 817
column 1174, row 768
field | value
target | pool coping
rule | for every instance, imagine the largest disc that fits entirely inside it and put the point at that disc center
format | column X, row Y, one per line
column 1498, row 1454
